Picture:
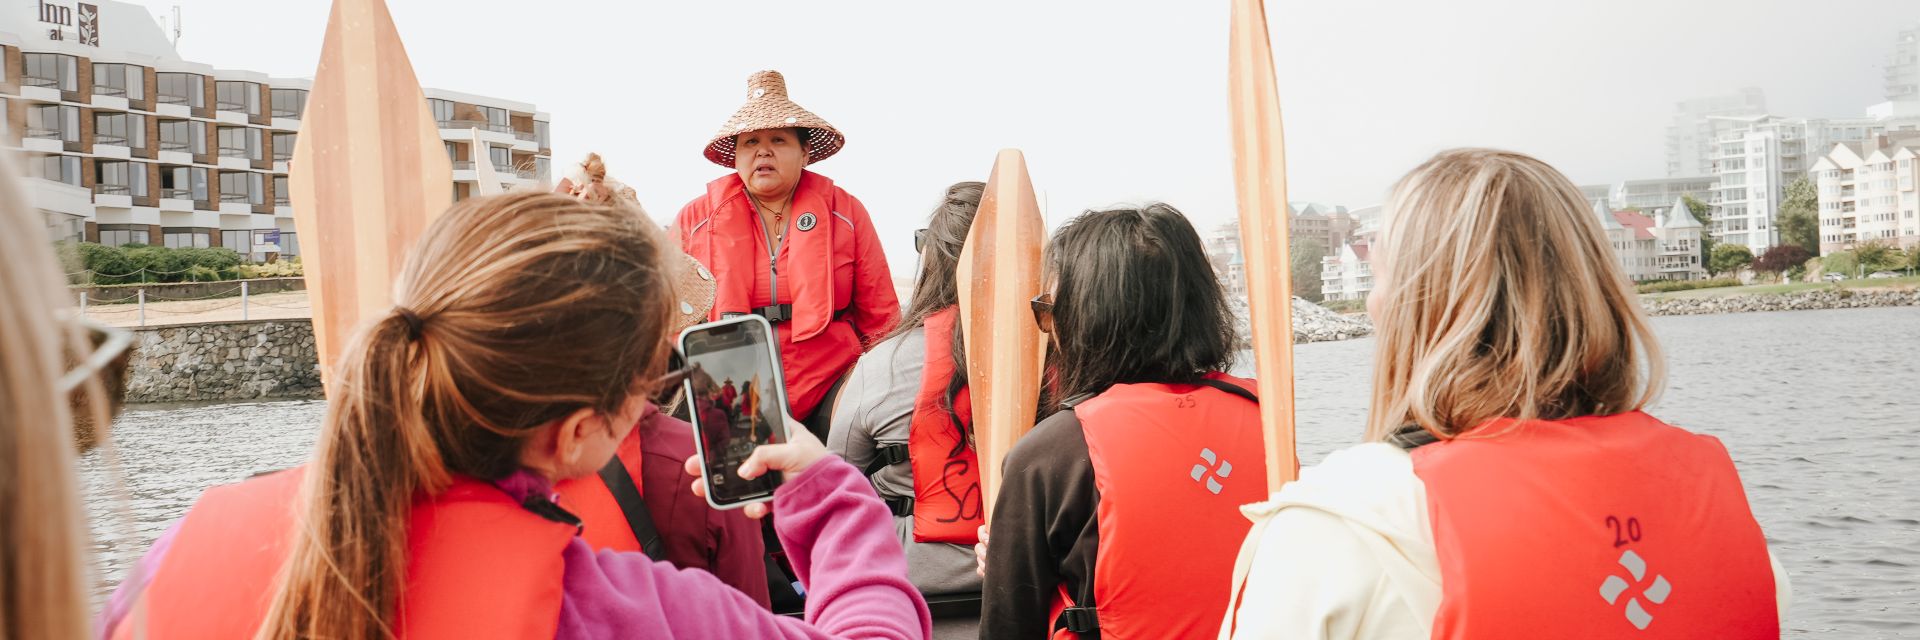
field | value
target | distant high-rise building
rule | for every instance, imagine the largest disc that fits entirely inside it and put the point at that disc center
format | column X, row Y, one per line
column 1758, row 156
column 1903, row 66
column 1691, row 135
column 1867, row 193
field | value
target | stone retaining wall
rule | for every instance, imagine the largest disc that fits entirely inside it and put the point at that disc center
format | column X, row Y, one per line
column 224, row 361
column 1795, row 301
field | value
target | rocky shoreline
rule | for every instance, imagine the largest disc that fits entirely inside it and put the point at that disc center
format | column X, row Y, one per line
column 1314, row 323
column 1792, row 301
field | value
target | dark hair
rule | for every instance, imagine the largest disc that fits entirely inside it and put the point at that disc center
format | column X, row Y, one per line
column 1135, row 300
column 935, row 289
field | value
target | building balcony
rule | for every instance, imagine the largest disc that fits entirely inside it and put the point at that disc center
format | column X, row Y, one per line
column 112, row 190
column 42, row 134
column 36, row 81
column 463, row 165
column 289, row 114
column 176, row 194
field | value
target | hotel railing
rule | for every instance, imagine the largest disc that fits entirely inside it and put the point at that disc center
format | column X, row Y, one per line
column 463, row 165
column 235, row 197
column 236, row 152
column 526, row 174
column 292, row 114
column 235, row 106
column 177, row 194
column 166, row 98
column 35, row 81
column 118, row 141
column 282, row 201
column 50, row 134
column 113, row 189
column 524, row 135
column 120, row 92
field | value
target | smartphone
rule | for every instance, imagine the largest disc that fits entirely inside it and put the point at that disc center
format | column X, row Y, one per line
column 736, row 401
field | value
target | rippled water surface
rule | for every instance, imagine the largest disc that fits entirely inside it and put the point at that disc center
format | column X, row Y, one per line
column 1821, row 410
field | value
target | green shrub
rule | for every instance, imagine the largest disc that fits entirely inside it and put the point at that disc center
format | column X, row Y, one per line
column 136, row 263
column 283, row 269
column 1664, row 286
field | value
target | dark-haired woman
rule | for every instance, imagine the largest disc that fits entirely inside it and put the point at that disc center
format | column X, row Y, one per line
column 1118, row 512
column 905, row 418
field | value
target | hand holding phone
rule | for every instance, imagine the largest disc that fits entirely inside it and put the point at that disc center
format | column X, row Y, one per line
column 795, row 456
column 737, row 404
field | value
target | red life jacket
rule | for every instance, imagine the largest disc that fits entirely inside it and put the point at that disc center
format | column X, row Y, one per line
column 478, row 565
column 1172, row 465
column 841, row 292
column 1604, row 526
column 946, row 485
column 604, row 520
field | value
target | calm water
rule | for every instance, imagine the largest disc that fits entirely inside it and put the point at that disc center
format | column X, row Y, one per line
column 1818, row 407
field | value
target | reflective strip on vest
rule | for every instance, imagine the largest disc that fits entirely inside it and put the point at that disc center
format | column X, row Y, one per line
column 218, row 578
column 604, row 523
column 1172, row 465
column 1618, row 526
column 946, row 486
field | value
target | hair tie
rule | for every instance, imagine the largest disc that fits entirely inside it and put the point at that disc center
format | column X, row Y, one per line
column 413, row 322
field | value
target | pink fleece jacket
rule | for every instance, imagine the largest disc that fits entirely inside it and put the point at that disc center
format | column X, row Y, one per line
column 837, row 533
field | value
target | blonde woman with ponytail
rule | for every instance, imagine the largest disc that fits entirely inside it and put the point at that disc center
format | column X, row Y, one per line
column 527, row 332
column 1512, row 485
column 44, row 577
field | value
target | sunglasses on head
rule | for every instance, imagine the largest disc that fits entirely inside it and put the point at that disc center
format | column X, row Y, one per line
column 919, row 240
column 1043, row 311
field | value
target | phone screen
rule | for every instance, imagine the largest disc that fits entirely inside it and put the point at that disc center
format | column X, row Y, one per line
column 738, row 402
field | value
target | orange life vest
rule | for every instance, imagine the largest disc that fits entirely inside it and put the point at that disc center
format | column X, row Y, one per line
column 1615, row 526
column 478, row 565
column 946, row 484
column 946, row 498
column 605, row 520
column 1172, row 464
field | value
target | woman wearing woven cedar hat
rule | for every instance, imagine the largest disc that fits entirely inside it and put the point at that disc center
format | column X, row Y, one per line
column 787, row 244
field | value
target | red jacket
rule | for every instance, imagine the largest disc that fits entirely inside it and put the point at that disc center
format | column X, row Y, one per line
column 831, row 269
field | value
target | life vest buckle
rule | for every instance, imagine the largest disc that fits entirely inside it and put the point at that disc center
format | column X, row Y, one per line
column 1080, row 620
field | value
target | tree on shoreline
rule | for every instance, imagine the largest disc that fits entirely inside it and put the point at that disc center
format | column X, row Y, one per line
column 1702, row 212
column 1782, row 259
column 1799, row 221
column 1728, row 258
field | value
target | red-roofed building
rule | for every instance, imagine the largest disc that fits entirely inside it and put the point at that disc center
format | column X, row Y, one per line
column 1664, row 246
column 1347, row 274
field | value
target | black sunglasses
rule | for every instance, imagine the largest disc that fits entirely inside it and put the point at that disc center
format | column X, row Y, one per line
column 919, row 240
column 1043, row 311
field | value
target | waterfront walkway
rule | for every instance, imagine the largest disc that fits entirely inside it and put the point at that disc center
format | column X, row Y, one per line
column 266, row 306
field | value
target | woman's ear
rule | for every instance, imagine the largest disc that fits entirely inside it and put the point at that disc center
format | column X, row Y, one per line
column 556, row 446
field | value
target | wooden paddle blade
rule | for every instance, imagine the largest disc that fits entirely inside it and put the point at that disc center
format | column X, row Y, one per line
column 1260, row 179
column 368, row 172
column 998, row 276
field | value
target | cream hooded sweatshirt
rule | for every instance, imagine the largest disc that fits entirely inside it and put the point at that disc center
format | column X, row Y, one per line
column 1347, row 551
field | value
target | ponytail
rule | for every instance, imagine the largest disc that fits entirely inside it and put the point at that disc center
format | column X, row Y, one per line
column 456, row 378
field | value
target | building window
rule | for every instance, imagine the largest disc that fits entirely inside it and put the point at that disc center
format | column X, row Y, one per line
column 450, row 152
column 542, row 168
column 498, row 120
column 442, row 111
column 185, row 136
column 188, row 89
column 50, row 70
column 114, row 235
column 289, row 103
column 543, row 132
column 189, row 238
column 283, row 146
column 242, row 186
column 54, row 122
column 239, row 142
column 289, row 243
column 282, row 193
column 123, row 80
column 121, row 178
column 61, row 169
column 234, row 95
column 184, row 183
column 502, row 158
column 120, row 129
column 241, row 240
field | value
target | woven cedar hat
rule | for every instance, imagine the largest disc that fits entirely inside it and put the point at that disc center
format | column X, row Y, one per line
column 767, row 107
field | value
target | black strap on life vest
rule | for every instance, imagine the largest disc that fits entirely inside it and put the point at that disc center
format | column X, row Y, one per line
column 884, row 456
column 634, row 507
column 1410, row 437
column 1083, row 619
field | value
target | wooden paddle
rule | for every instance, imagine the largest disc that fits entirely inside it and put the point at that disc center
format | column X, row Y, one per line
column 999, row 274
column 1260, row 179
column 368, row 172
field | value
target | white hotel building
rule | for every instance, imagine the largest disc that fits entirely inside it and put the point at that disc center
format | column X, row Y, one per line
column 135, row 145
column 1870, row 193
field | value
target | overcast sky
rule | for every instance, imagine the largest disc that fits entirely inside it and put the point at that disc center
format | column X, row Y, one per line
column 1111, row 101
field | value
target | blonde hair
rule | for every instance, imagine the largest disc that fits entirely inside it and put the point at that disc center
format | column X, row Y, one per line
column 511, row 312
column 1498, row 296
column 44, row 578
